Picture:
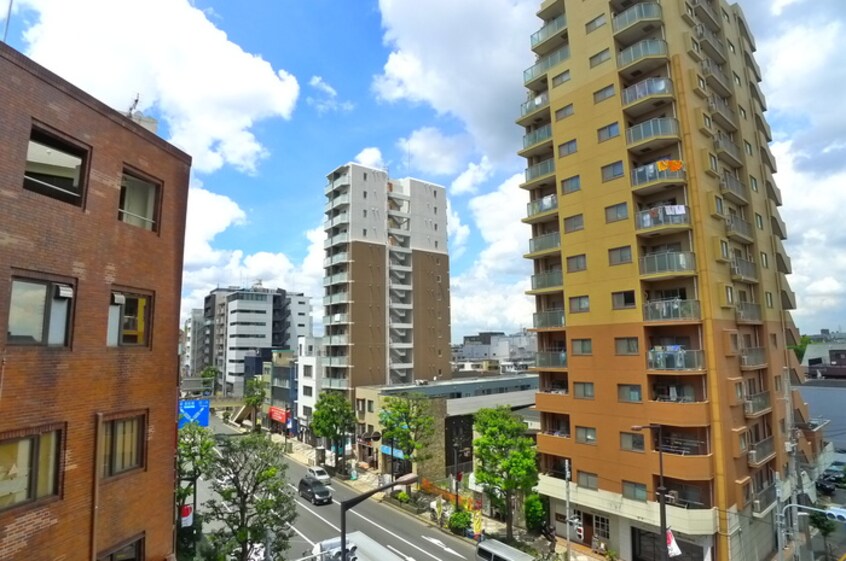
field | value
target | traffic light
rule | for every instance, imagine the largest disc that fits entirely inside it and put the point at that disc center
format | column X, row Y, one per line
column 836, row 514
column 580, row 532
column 459, row 475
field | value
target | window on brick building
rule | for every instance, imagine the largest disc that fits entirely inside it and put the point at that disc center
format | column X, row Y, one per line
column 40, row 313
column 132, row 551
column 139, row 201
column 129, row 319
column 29, row 466
column 55, row 167
column 122, row 444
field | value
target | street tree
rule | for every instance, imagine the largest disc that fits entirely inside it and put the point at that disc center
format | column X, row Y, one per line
column 194, row 456
column 407, row 422
column 333, row 418
column 211, row 373
column 800, row 348
column 505, row 459
column 254, row 395
column 826, row 527
column 252, row 504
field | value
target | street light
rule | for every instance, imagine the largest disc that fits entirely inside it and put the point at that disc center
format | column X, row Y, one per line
column 346, row 505
column 662, row 491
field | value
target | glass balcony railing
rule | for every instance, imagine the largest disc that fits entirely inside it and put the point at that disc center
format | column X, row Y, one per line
column 717, row 103
column 675, row 359
column 672, row 310
column 744, row 268
column 762, row 449
column 736, row 225
column 551, row 27
column 669, row 215
column 659, row 126
column 540, row 169
column 533, row 104
column 731, row 184
column 545, row 63
column 723, row 144
column 544, row 242
column 649, row 173
column 646, row 88
column 548, row 279
column 747, row 311
column 638, row 12
column 549, row 318
column 537, row 135
column 710, row 69
column 668, row 262
column 753, row 356
column 764, row 499
column 551, row 359
column 641, row 49
column 758, row 403
column 708, row 35
column 544, row 204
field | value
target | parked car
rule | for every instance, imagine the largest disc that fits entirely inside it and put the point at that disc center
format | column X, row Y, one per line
column 314, row 491
column 318, row 473
column 826, row 488
column 835, row 475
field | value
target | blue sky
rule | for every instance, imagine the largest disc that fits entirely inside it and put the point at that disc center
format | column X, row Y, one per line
column 271, row 95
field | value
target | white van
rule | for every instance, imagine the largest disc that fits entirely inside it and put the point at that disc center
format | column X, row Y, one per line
column 493, row 550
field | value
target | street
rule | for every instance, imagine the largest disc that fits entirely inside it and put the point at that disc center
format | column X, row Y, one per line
column 398, row 531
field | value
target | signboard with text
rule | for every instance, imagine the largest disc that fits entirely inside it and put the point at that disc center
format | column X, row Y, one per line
column 194, row 411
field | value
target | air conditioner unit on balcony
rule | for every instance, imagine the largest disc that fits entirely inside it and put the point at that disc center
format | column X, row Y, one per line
column 756, row 506
column 789, row 447
column 700, row 30
column 753, row 456
column 713, row 107
column 744, row 360
column 672, row 497
column 748, row 408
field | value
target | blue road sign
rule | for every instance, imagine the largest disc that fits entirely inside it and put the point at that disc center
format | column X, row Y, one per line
column 194, row 411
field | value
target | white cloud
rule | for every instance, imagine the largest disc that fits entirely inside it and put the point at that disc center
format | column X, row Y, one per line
column 429, row 151
column 208, row 90
column 471, row 178
column 209, row 214
column 328, row 100
column 444, row 56
column 457, row 232
column 371, row 157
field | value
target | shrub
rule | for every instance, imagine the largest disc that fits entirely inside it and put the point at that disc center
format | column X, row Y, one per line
column 402, row 497
column 459, row 521
column 535, row 513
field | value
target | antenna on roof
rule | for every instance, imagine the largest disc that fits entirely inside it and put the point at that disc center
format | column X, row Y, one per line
column 134, row 105
column 8, row 17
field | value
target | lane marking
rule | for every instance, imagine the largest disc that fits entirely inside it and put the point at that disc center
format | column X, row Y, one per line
column 303, row 536
column 442, row 545
column 400, row 553
column 298, row 499
column 400, row 538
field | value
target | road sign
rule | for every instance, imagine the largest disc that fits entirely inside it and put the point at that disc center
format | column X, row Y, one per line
column 194, row 411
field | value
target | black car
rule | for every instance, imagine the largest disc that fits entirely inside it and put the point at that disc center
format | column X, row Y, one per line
column 826, row 488
column 834, row 475
column 315, row 491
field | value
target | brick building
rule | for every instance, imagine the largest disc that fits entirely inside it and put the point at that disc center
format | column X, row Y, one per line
column 92, row 219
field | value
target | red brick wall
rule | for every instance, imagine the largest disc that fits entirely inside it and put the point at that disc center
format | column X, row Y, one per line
column 90, row 246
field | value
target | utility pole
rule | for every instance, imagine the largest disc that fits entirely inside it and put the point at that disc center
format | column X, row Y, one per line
column 567, row 507
column 793, row 471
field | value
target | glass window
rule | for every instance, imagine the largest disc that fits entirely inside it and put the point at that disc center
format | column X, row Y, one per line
column 559, row 79
column 742, row 111
column 571, row 184
column 768, row 296
column 634, row 491
column 583, row 390
column 122, row 442
column 712, row 161
column 736, row 78
column 731, row 46
column 564, row 112
column 608, row 131
column 582, row 346
column 626, row 345
column 603, row 94
column 724, row 249
column 729, row 295
column 624, row 299
column 759, row 221
column 55, row 167
column 370, row 406
column 602, row 527
column 574, row 223
column 129, row 320
column 765, row 262
column 576, row 263
column 586, row 435
column 753, row 183
column 567, row 148
column 595, row 23
column 617, row 212
column 579, row 304
column 707, row 120
column 139, row 200
column 631, row 441
column 130, row 552
column 588, row 480
column 308, row 390
column 748, row 148
column 629, row 393
column 718, row 205
column 29, row 466
column 612, row 171
column 620, row 255
column 39, row 313
column 600, row 57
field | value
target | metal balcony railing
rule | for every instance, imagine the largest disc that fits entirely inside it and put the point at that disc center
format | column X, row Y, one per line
column 753, row 356
column 668, row 262
column 735, row 186
column 649, row 173
column 670, row 215
column 672, row 310
column 745, row 269
column 675, row 359
column 735, row 224
column 544, row 204
column 747, row 311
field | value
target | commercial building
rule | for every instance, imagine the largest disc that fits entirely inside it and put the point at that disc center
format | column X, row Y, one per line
column 192, row 350
column 93, row 221
column 386, row 280
column 659, row 278
column 310, row 380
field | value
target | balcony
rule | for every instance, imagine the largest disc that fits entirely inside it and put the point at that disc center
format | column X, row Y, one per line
column 748, row 313
column 336, row 239
column 706, row 12
column 535, row 174
column 739, row 230
column 711, row 43
column 734, row 190
column 550, row 319
column 637, row 21
column 550, row 29
column 530, row 107
column 339, row 298
column 642, row 57
column 551, row 359
column 763, row 126
column 337, row 361
column 761, row 452
column 722, row 113
column 532, row 76
column 744, row 271
column 752, row 64
column 543, row 245
column 548, row 280
column 728, row 151
column 716, row 78
column 672, row 311
column 766, row 153
column 679, row 412
column 336, row 383
column 337, row 258
column 647, row 95
column 541, row 208
column 764, row 501
column 757, row 94
column 783, row 262
column 335, row 319
column 336, row 339
column 342, row 218
column 773, row 192
column 753, row 358
column 338, row 278
column 536, row 141
column 340, row 200
column 653, row 134
column 779, row 229
column 675, row 359
column 649, row 179
column 669, row 219
column 788, row 297
column 669, row 264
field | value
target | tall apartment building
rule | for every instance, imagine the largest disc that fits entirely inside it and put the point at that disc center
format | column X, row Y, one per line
column 92, row 220
column 387, row 279
column 659, row 277
column 192, row 351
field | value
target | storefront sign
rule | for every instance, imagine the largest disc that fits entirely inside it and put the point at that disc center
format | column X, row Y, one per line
column 278, row 414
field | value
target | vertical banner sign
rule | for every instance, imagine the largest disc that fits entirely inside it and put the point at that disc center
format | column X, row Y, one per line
column 672, row 547
column 187, row 516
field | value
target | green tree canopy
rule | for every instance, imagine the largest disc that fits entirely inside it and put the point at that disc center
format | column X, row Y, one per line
column 505, row 458
column 825, row 526
column 254, row 395
column 255, row 503
column 799, row 349
column 407, row 421
column 333, row 419
column 194, row 456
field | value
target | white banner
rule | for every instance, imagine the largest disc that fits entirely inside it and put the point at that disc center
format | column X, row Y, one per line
column 673, row 549
column 187, row 516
